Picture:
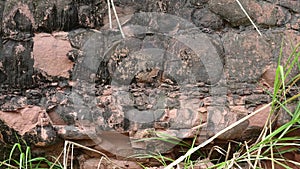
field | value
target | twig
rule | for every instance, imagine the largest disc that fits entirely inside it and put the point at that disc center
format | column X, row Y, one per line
column 243, row 9
column 191, row 151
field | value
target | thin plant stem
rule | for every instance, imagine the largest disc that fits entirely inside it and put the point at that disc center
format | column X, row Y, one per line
column 243, row 9
column 117, row 18
column 8, row 165
column 109, row 14
column 191, row 151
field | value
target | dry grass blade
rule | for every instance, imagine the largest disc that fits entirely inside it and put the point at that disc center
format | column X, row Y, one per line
column 109, row 14
column 100, row 162
column 72, row 155
column 66, row 152
column 56, row 160
column 262, row 137
column 8, row 165
column 111, row 3
column 248, row 155
column 243, row 9
column 236, row 164
column 191, row 151
column 228, row 150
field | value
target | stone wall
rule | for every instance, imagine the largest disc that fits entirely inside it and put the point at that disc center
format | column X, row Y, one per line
column 185, row 68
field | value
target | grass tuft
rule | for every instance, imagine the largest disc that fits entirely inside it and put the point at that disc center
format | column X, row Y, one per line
column 20, row 158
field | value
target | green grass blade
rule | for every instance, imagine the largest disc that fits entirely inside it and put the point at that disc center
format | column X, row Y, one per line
column 12, row 152
column 280, row 52
column 282, row 77
column 28, row 157
column 22, row 158
column 290, row 65
column 277, row 85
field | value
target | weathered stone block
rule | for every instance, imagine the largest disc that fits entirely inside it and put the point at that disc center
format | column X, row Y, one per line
column 247, row 56
column 17, row 63
column 50, row 54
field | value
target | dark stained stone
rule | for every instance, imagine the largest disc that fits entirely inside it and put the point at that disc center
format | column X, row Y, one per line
column 71, row 132
column 272, row 15
column 17, row 63
column 262, row 13
column 247, row 55
column 198, row 3
column 22, row 23
column 42, row 136
column 9, row 135
column 204, row 18
column 3, row 76
column 220, row 117
column 230, row 11
column 2, row 6
column 18, row 21
column 290, row 4
column 46, row 15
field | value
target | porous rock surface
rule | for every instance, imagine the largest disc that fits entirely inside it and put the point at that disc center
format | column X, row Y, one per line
column 185, row 69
